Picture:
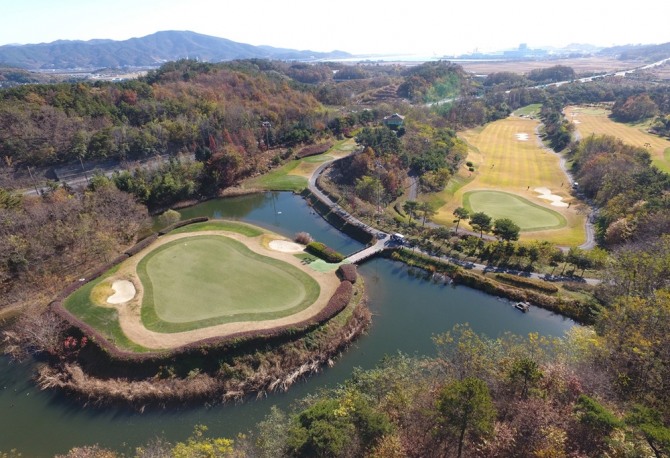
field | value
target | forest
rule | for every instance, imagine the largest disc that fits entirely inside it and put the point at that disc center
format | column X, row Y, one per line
column 600, row 391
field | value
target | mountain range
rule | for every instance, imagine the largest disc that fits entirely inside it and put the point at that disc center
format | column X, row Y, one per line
column 149, row 51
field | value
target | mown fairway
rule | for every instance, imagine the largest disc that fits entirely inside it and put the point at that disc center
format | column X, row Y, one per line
column 508, row 157
column 207, row 280
column 590, row 120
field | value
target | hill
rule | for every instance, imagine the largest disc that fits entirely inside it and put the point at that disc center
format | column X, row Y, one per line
column 643, row 53
column 148, row 51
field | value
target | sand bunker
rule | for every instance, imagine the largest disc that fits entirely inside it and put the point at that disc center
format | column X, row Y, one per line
column 576, row 121
column 286, row 247
column 124, row 291
column 522, row 137
column 545, row 193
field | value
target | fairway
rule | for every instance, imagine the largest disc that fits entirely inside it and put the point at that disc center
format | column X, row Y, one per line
column 510, row 161
column 527, row 215
column 294, row 175
column 207, row 280
column 588, row 120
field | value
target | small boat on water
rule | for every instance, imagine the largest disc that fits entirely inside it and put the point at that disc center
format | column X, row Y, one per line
column 523, row 306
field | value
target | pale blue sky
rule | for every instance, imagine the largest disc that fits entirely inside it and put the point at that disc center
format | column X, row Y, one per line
column 427, row 27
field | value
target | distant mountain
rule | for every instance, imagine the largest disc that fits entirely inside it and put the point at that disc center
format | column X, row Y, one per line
column 151, row 50
column 644, row 53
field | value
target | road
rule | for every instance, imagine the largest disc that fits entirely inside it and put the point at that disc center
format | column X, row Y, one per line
column 596, row 77
column 77, row 174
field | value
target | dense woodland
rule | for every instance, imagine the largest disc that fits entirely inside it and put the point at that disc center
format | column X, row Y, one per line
column 602, row 391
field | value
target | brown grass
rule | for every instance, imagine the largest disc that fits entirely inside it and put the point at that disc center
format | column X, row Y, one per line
column 580, row 65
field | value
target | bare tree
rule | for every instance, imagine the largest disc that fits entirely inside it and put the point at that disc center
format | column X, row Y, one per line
column 35, row 333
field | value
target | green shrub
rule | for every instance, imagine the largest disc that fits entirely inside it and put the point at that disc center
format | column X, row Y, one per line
column 324, row 252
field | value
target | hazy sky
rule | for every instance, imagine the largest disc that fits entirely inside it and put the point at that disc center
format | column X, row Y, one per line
column 424, row 27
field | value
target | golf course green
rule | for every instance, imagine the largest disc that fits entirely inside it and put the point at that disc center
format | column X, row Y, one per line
column 526, row 214
column 207, row 280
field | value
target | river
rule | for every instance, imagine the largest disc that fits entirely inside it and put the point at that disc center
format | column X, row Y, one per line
column 407, row 311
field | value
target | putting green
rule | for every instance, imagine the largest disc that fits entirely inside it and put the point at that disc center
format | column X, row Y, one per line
column 206, row 280
column 527, row 215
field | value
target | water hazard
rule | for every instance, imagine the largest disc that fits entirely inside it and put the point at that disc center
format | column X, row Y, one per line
column 407, row 312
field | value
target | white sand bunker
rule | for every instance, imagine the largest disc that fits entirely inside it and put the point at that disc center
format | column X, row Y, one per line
column 522, row 137
column 576, row 121
column 286, row 247
column 556, row 201
column 124, row 291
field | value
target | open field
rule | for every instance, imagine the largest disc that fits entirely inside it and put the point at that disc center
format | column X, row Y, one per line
column 581, row 65
column 591, row 120
column 531, row 111
column 293, row 176
column 509, row 158
column 206, row 283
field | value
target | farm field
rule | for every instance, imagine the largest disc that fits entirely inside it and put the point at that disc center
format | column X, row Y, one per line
column 591, row 120
column 581, row 65
column 189, row 286
column 516, row 177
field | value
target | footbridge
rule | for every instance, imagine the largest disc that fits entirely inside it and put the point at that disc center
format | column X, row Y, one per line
column 368, row 252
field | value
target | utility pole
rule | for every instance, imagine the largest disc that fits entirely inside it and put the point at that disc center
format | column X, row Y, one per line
column 33, row 180
column 378, row 185
column 83, row 169
column 267, row 125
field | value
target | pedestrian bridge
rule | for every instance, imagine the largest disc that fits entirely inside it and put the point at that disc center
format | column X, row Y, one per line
column 366, row 253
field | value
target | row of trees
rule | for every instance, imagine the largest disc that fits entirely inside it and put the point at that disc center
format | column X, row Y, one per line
column 503, row 228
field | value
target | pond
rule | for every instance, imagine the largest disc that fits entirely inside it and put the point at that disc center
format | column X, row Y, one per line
column 407, row 311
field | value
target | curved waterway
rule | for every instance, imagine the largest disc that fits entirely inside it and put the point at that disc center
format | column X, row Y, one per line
column 407, row 311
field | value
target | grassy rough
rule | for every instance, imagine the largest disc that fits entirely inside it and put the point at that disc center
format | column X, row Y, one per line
column 221, row 225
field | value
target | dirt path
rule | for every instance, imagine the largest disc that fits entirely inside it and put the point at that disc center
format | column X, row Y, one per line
column 130, row 312
column 590, row 242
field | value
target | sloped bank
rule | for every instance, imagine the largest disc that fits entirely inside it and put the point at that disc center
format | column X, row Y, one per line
column 210, row 371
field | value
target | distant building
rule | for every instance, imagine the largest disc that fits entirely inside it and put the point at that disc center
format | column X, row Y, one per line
column 394, row 121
